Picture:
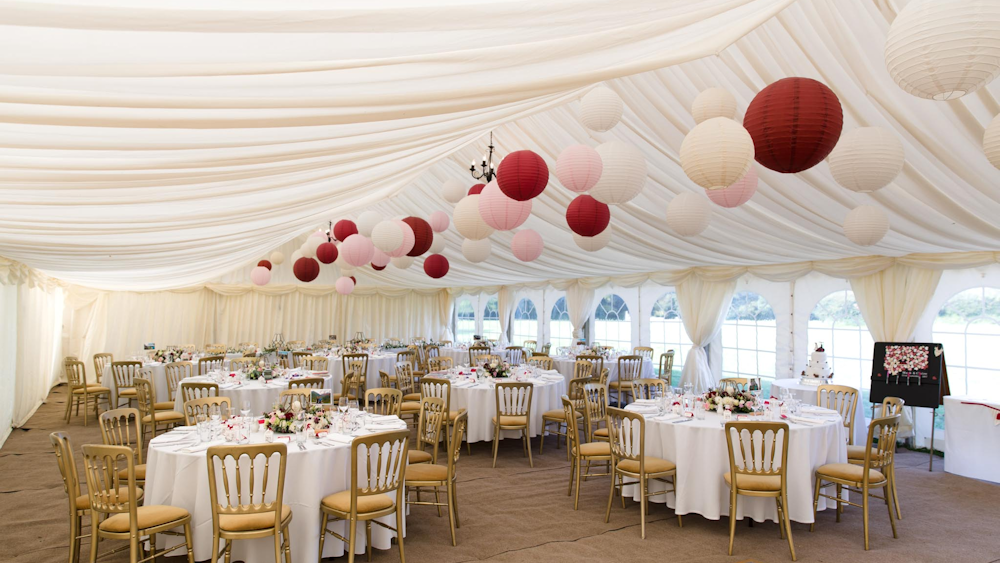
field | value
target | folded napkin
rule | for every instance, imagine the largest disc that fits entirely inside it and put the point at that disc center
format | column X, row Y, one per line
column 551, row 372
column 202, row 447
column 171, row 439
column 229, row 385
column 183, row 429
column 804, row 420
column 381, row 417
column 644, row 402
column 463, row 383
column 811, row 409
column 386, row 425
column 337, row 439
column 642, row 409
column 668, row 417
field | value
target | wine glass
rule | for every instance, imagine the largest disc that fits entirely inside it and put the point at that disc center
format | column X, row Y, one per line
column 352, row 405
column 245, row 408
column 342, row 405
column 688, row 388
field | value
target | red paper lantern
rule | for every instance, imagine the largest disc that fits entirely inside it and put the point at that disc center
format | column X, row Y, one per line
column 327, row 252
column 587, row 216
column 306, row 269
column 795, row 123
column 423, row 235
column 343, row 229
column 355, row 280
column 522, row 175
column 436, row 266
column 265, row 263
column 377, row 268
column 477, row 189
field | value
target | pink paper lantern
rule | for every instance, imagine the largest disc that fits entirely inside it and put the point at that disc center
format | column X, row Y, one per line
column 736, row 194
column 357, row 250
column 380, row 259
column 260, row 275
column 439, row 221
column 579, row 168
column 501, row 212
column 344, row 285
column 408, row 240
column 527, row 245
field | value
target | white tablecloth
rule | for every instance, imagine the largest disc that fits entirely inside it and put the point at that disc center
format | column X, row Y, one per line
column 972, row 438
column 159, row 377
column 386, row 363
column 806, row 394
column 702, row 456
column 261, row 394
column 181, row 479
column 565, row 365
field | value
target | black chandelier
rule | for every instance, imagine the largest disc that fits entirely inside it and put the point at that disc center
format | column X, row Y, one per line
column 487, row 169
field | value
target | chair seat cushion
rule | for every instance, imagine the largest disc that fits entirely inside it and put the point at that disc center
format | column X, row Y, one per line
column 754, row 482
column 410, row 407
column 146, row 516
column 164, row 405
column 452, row 415
column 140, row 472
column 418, row 456
column 341, row 502
column 83, row 501
column 511, row 420
column 849, row 472
column 249, row 522
column 595, row 449
column 412, row 397
column 618, row 384
column 558, row 415
column 164, row 416
column 858, row 452
column 653, row 465
column 127, row 392
column 92, row 390
column 426, row 472
column 602, row 432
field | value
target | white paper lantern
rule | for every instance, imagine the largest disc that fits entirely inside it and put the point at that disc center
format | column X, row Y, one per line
column 387, row 236
column 991, row 142
column 476, row 251
column 623, row 175
column 344, row 285
column 408, row 240
column 866, row 159
column 717, row 153
column 437, row 245
column 688, row 214
column 594, row 243
column 366, row 222
column 943, row 50
column 402, row 262
column 307, row 250
column 714, row 102
column 318, row 233
column 601, row 109
column 527, row 245
column 453, row 191
column 866, row 225
column 468, row 222
column 296, row 255
column 277, row 258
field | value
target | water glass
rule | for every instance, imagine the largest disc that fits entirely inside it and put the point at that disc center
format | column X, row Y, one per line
column 300, row 433
column 699, row 409
column 352, row 405
column 342, row 405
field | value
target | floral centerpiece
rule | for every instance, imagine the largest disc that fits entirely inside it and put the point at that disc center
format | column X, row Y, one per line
column 497, row 369
column 256, row 372
column 597, row 351
column 730, row 400
column 393, row 345
column 282, row 421
column 167, row 356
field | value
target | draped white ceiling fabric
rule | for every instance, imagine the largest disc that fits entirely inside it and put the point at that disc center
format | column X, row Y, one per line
column 156, row 145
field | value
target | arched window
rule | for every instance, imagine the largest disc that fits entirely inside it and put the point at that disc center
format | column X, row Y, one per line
column 749, row 337
column 666, row 331
column 491, row 320
column 613, row 324
column 836, row 322
column 968, row 325
column 525, row 323
column 465, row 321
column 560, row 329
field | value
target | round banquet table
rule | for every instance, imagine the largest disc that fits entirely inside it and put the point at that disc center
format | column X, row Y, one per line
column 565, row 365
column 459, row 355
column 806, row 394
column 159, row 377
column 972, row 437
column 261, row 394
column 179, row 477
column 376, row 363
column 701, row 453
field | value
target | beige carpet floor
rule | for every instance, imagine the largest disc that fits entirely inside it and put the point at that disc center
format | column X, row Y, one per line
column 516, row 513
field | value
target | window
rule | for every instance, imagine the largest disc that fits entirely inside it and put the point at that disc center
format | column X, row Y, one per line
column 666, row 331
column 491, row 320
column 836, row 322
column 560, row 329
column 525, row 322
column 613, row 324
column 465, row 321
column 968, row 325
column 749, row 337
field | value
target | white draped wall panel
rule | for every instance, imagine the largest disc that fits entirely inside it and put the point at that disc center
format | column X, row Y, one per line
column 703, row 306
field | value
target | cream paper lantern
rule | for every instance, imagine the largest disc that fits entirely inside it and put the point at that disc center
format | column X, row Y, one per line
column 866, row 225
column 437, row 245
column 402, row 262
column 601, row 109
column 309, row 250
column 688, row 214
column 468, row 222
column 594, row 243
column 943, row 50
column 623, row 175
column 991, row 142
column 476, row 251
column 366, row 222
column 714, row 102
column 717, row 153
column 387, row 236
column 277, row 258
column 296, row 255
column 866, row 159
column 453, row 191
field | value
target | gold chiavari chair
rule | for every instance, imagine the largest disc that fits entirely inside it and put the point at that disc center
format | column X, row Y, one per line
column 368, row 496
column 358, row 363
column 431, row 352
column 419, row 359
column 582, row 368
column 351, row 386
column 545, row 349
column 603, row 379
column 409, row 356
column 297, row 358
column 296, row 344
column 242, row 511
column 629, row 369
column 667, row 366
column 191, row 390
column 114, row 504
column 149, row 416
column 429, row 425
column 441, row 387
column 206, row 406
column 441, row 363
column 210, row 363
column 121, row 427
column 879, row 455
column 288, row 396
column 124, row 373
column 595, row 400
column 476, row 351
column 406, row 382
column 842, row 399
column 627, row 434
column 147, row 374
column 645, row 389
column 589, row 452
column 306, row 383
column 644, row 351
column 856, row 454
column 513, row 413
column 734, row 384
column 81, row 392
column 757, row 469
column 177, row 372
column 246, row 345
column 386, row 380
column 216, row 349
column 315, row 363
column 542, row 362
column 250, row 353
column 188, row 347
column 530, row 346
column 596, row 362
column 101, row 363
column 558, row 416
column 492, row 359
column 435, row 477
column 515, row 355
column 384, row 401
column 243, row 363
column 446, row 342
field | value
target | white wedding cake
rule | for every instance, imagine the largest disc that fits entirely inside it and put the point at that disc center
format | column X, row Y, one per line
column 818, row 371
